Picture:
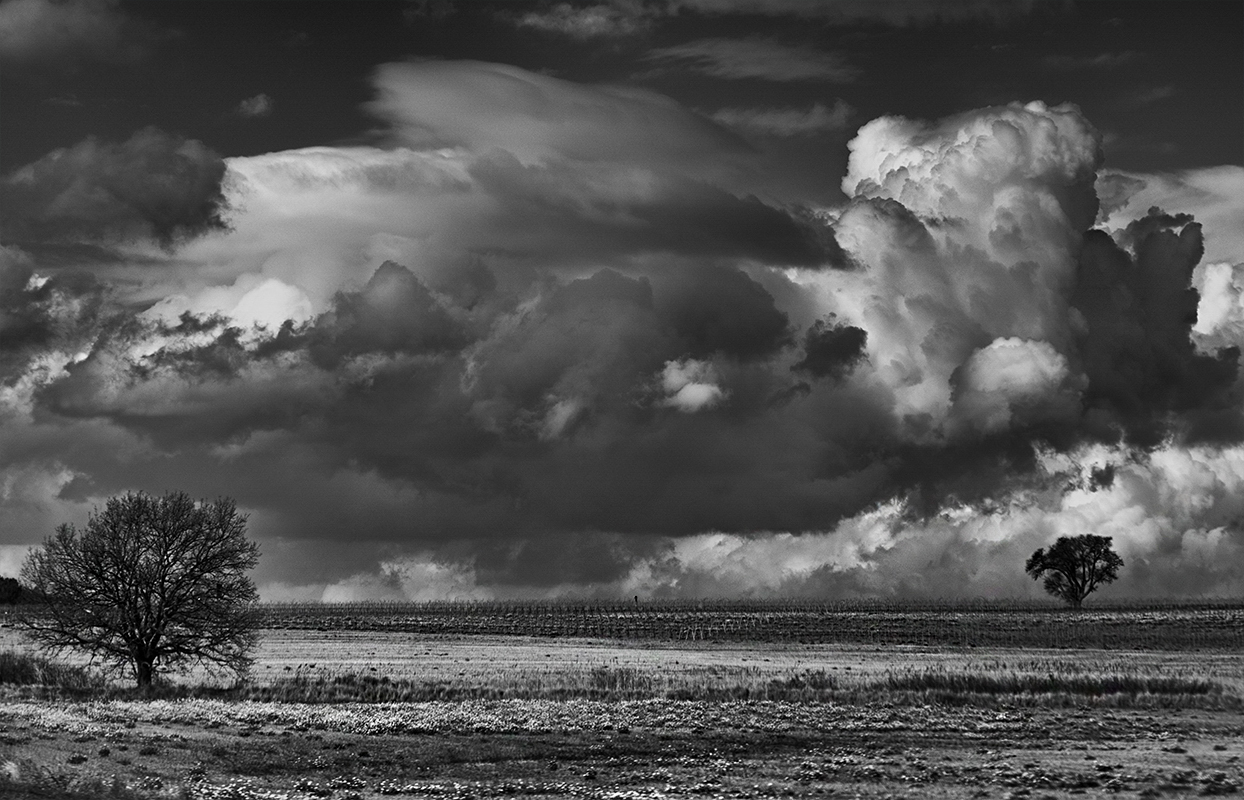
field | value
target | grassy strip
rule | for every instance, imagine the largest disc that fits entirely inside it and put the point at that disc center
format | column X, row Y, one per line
column 812, row 686
column 26, row 669
column 1016, row 683
column 34, row 676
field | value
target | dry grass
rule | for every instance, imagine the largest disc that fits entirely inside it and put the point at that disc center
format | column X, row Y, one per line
column 27, row 669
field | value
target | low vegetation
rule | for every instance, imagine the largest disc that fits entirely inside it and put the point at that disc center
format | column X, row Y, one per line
column 1201, row 625
column 900, row 688
column 984, row 687
column 27, row 669
column 384, row 712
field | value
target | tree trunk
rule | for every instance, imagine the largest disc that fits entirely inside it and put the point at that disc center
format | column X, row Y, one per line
column 143, row 669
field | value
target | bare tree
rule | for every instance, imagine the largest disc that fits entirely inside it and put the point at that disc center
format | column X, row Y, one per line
column 152, row 584
column 1074, row 566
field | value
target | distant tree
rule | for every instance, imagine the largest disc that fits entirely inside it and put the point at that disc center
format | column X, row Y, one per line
column 10, row 590
column 1074, row 566
column 151, row 584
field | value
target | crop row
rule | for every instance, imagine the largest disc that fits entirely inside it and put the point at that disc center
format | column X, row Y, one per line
column 1171, row 628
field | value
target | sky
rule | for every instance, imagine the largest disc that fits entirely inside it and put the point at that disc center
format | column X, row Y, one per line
column 664, row 298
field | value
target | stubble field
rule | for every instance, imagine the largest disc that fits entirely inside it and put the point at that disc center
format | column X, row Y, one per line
column 707, row 701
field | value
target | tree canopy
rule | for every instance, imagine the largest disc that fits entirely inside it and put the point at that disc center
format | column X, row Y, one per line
column 1074, row 566
column 151, row 584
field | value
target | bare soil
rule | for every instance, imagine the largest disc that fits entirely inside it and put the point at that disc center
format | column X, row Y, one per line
column 650, row 749
column 631, row 749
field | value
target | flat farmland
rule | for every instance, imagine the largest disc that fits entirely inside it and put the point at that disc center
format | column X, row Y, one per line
column 1037, row 624
column 358, row 702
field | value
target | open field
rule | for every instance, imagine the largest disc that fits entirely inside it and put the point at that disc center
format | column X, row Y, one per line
column 1129, row 626
column 377, row 713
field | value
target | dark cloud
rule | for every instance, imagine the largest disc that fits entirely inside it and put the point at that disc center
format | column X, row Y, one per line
column 154, row 184
column 590, row 19
column 890, row 12
column 41, row 312
column 721, row 311
column 757, row 58
column 596, row 367
column 1096, row 61
column 394, row 313
column 1114, row 190
column 1139, row 307
column 787, row 122
column 23, row 321
column 595, row 339
column 831, row 350
column 608, row 213
column 545, row 563
column 224, row 357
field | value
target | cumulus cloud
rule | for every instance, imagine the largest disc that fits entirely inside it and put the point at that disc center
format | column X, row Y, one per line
column 1214, row 196
column 967, row 230
column 1138, row 308
column 786, row 122
column 154, row 184
column 765, row 59
column 543, row 341
column 1013, row 378
column 1171, row 514
column 1220, row 310
column 690, row 385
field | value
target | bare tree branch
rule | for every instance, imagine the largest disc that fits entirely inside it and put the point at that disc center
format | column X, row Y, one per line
column 150, row 585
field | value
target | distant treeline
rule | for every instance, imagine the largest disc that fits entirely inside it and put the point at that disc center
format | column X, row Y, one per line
column 12, row 592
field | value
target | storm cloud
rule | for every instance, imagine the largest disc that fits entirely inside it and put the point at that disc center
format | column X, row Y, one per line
column 152, row 185
column 543, row 339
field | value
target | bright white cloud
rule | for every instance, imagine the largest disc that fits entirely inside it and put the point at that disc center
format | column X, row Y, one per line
column 411, row 579
column 249, row 301
column 691, row 385
column 1015, row 378
column 983, row 245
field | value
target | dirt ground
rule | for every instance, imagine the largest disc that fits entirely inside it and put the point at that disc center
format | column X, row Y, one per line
column 630, row 749
column 644, row 749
